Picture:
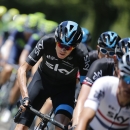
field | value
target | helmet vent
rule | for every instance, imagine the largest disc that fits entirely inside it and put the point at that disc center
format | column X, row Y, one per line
column 112, row 34
column 128, row 60
column 65, row 31
column 71, row 27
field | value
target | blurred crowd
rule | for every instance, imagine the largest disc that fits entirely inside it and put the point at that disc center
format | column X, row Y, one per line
column 19, row 33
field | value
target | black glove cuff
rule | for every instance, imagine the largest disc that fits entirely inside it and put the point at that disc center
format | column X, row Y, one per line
column 24, row 100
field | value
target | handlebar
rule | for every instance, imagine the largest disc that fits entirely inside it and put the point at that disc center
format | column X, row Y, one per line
column 43, row 116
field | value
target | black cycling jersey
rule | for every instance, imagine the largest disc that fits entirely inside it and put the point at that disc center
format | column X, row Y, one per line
column 89, row 48
column 93, row 55
column 99, row 68
column 59, row 71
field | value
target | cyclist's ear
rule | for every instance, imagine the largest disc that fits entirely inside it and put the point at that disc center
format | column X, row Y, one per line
column 97, row 47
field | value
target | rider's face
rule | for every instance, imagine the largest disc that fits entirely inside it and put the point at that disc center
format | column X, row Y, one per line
column 62, row 52
column 124, row 89
column 105, row 52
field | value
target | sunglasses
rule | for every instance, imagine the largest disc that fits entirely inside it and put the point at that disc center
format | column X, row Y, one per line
column 126, row 79
column 68, row 48
column 104, row 51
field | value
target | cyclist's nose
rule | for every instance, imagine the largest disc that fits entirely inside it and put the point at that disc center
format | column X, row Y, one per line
column 107, row 55
column 63, row 49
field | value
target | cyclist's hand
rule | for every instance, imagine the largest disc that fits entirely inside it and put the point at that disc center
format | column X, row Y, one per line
column 24, row 103
column 72, row 128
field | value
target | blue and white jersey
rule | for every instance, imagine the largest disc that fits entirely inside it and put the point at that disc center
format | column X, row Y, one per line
column 103, row 99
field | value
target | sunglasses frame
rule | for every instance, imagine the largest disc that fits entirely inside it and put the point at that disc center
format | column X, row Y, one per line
column 107, row 52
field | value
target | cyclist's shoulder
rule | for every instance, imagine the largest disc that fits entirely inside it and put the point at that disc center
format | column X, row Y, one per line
column 109, row 78
column 108, row 82
column 93, row 52
column 102, row 66
column 81, row 50
column 93, row 55
column 48, row 38
column 104, row 61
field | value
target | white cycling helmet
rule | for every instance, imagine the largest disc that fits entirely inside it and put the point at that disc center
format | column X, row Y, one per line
column 124, row 65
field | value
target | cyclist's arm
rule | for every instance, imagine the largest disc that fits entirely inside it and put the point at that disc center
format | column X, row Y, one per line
column 85, row 89
column 22, row 80
column 23, row 56
column 92, row 103
column 35, row 67
column 85, row 118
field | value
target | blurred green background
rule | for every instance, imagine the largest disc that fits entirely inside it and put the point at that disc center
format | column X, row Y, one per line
column 96, row 15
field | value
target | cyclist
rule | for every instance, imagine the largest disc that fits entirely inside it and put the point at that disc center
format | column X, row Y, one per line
column 110, row 101
column 17, row 40
column 56, row 76
column 3, row 10
column 87, row 38
column 100, row 67
column 7, row 19
column 14, row 93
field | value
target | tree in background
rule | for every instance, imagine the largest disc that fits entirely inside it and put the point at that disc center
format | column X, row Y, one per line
column 96, row 15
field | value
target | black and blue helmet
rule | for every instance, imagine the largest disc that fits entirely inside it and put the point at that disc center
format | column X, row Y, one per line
column 124, row 65
column 123, row 47
column 68, row 33
column 86, row 36
column 108, row 39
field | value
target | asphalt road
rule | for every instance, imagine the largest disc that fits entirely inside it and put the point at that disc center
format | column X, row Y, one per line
column 6, row 126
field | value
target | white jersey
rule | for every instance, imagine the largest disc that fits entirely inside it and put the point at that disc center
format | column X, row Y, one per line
column 103, row 99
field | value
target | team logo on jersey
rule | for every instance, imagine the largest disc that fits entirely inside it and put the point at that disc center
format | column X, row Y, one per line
column 39, row 47
column 111, row 107
column 118, row 118
column 87, row 60
column 51, row 57
column 97, row 75
column 56, row 68
column 99, row 94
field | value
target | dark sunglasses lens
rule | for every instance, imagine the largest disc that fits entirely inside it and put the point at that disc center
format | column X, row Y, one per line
column 59, row 44
column 103, row 51
column 111, row 53
column 67, row 47
column 64, row 46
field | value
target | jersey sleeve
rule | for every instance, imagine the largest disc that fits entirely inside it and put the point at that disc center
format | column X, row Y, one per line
column 96, row 94
column 36, row 53
column 84, row 62
column 94, row 72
